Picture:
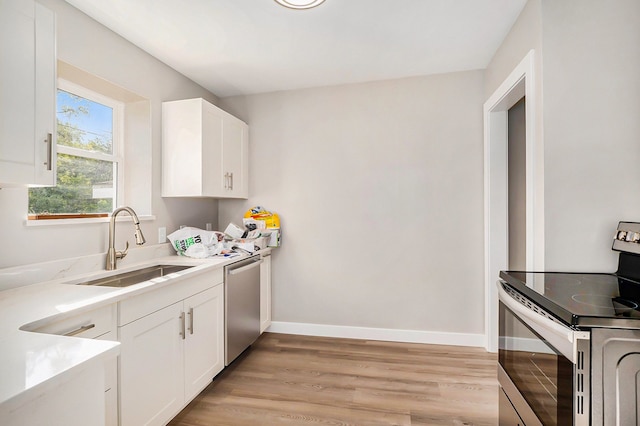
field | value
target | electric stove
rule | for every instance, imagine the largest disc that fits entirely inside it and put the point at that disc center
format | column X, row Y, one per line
column 569, row 347
column 581, row 300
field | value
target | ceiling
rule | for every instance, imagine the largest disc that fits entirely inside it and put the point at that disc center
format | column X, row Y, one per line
column 236, row 47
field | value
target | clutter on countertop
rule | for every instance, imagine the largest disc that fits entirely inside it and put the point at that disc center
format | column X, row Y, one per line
column 261, row 229
column 196, row 243
column 266, row 222
column 234, row 231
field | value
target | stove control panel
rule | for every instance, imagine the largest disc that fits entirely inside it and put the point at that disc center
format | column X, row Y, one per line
column 627, row 237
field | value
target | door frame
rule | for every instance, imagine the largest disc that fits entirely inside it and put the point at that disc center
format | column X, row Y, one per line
column 520, row 82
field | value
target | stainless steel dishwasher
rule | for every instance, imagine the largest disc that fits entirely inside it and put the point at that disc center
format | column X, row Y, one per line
column 241, row 306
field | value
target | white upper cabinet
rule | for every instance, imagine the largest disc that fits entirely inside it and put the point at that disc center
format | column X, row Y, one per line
column 204, row 151
column 27, row 94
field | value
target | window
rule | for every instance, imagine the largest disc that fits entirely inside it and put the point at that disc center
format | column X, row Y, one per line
column 89, row 161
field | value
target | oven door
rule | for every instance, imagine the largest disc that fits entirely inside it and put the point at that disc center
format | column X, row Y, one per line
column 543, row 365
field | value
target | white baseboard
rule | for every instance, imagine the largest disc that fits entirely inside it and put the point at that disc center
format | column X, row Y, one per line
column 383, row 334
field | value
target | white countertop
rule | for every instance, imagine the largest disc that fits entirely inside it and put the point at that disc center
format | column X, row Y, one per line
column 32, row 362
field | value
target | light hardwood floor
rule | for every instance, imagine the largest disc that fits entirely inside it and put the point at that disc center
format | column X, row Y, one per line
column 301, row 380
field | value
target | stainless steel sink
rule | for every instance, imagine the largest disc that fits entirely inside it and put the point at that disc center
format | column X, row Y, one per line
column 135, row 277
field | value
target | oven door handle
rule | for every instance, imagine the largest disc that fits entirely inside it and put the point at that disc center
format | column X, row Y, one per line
column 516, row 306
column 561, row 337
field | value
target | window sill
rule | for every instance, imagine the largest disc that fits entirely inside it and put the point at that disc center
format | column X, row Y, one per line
column 58, row 222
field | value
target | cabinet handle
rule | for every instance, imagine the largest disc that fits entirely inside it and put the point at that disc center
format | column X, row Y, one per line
column 182, row 325
column 190, row 320
column 244, row 268
column 79, row 330
column 49, row 142
column 228, row 181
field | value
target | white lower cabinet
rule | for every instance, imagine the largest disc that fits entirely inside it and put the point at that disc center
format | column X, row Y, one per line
column 74, row 400
column 111, row 385
column 97, row 324
column 204, row 343
column 151, row 368
column 265, row 293
column 168, row 356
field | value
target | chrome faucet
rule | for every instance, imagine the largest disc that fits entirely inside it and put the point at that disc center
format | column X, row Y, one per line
column 112, row 254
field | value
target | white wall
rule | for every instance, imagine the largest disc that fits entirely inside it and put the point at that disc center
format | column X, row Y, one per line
column 588, row 64
column 591, row 128
column 379, row 190
column 87, row 45
column 525, row 35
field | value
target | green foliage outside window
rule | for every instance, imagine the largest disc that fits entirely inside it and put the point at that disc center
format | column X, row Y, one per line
column 73, row 192
column 83, row 185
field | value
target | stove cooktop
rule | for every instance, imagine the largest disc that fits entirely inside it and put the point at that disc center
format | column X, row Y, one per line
column 581, row 299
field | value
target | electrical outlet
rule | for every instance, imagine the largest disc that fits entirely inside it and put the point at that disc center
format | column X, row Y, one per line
column 208, row 227
column 162, row 235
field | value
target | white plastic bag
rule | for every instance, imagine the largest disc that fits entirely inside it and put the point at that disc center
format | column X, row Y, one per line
column 196, row 242
column 200, row 251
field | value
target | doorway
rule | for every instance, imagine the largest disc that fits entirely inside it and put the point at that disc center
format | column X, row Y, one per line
column 528, row 241
column 517, row 186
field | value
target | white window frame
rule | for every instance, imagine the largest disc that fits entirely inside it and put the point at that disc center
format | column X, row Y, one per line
column 117, row 156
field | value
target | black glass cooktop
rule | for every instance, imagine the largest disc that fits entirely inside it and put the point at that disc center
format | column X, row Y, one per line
column 579, row 299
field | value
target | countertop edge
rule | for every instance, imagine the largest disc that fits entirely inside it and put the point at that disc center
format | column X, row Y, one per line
column 97, row 350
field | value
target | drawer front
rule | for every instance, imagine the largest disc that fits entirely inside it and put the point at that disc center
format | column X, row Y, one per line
column 88, row 324
column 144, row 304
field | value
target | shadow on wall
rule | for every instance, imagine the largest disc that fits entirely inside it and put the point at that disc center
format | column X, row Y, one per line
column 190, row 212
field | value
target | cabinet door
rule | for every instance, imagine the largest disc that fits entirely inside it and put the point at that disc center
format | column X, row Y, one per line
column 214, row 183
column 151, row 368
column 45, row 91
column 265, row 293
column 27, row 93
column 182, row 148
column 204, row 151
column 17, row 91
column 234, row 157
column 204, row 345
column 110, row 385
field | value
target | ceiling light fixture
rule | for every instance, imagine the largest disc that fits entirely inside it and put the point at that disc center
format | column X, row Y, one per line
column 300, row 4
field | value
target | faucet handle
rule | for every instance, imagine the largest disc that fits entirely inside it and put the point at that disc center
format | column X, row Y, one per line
column 122, row 254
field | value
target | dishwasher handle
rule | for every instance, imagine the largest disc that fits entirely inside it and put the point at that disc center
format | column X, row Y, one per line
column 244, row 268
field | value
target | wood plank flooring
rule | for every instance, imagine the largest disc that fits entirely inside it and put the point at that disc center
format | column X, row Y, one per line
column 301, row 380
